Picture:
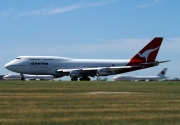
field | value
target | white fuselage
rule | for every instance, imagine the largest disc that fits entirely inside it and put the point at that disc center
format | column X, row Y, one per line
column 48, row 65
column 30, row 77
column 138, row 78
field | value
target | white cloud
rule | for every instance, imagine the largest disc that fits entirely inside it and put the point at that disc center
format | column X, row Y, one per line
column 109, row 48
column 172, row 46
column 6, row 13
column 33, row 12
column 124, row 48
column 51, row 11
column 155, row 2
column 176, row 39
column 64, row 9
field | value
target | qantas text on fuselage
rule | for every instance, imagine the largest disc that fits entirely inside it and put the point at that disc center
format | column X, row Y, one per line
column 83, row 69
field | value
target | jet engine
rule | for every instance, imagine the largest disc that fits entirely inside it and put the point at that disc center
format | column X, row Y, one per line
column 103, row 72
column 75, row 74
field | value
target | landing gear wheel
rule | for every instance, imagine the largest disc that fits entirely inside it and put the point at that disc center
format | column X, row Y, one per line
column 22, row 79
column 85, row 79
column 74, row 79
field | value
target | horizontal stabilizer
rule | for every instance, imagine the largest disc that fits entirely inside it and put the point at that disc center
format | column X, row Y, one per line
column 156, row 62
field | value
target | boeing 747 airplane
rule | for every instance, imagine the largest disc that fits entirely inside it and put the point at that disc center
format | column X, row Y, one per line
column 160, row 76
column 83, row 69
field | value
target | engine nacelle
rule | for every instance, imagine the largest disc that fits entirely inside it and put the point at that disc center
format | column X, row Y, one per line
column 75, row 74
column 103, row 72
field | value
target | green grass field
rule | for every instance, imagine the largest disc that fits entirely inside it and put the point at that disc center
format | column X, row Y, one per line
column 89, row 103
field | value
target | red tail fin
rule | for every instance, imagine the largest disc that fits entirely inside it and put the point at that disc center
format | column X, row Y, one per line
column 148, row 53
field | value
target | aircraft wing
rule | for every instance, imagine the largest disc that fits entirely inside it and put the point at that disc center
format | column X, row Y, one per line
column 97, row 68
column 67, row 70
column 112, row 68
column 93, row 71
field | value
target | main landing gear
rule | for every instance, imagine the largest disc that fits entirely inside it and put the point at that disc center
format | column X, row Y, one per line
column 85, row 79
column 74, row 79
column 22, row 77
column 81, row 79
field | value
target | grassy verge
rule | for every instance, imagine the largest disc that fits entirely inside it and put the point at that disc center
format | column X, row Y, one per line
column 81, row 103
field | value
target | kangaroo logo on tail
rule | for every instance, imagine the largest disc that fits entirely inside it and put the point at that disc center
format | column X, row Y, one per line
column 146, row 53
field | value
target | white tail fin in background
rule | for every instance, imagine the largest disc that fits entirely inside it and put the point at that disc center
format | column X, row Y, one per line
column 162, row 73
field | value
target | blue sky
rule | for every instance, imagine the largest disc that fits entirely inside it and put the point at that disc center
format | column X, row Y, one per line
column 101, row 29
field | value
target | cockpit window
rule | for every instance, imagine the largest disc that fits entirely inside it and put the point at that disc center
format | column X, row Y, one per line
column 18, row 58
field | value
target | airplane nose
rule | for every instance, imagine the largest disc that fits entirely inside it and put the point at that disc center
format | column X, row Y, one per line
column 7, row 66
column 4, row 76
